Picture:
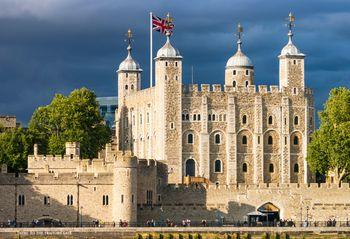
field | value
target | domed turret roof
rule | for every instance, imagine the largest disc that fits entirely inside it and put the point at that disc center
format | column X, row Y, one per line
column 239, row 59
column 290, row 49
column 168, row 50
column 129, row 64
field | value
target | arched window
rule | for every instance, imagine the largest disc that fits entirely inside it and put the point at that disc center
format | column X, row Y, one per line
column 244, row 140
column 183, row 117
column 296, row 140
column 198, row 117
column 296, row 120
column 126, row 87
column 246, row 83
column 271, row 168
column 190, row 168
column 213, row 117
column 209, row 117
column 234, row 73
column 244, row 119
column 217, row 138
column 270, row 119
column 190, row 138
column 234, row 83
column 217, row 166
column 194, row 117
column 187, row 117
column 244, row 168
column 132, row 87
column 246, row 72
column 296, row 168
column 269, row 140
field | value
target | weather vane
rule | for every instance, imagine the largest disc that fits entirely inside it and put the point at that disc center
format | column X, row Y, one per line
column 129, row 37
column 239, row 31
column 291, row 20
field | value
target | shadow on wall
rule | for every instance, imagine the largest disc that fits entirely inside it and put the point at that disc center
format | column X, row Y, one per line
column 26, row 198
column 180, row 202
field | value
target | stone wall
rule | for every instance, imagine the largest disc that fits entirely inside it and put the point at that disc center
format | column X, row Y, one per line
column 234, row 202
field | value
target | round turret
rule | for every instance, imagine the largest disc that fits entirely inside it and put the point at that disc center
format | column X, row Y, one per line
column 125, row 189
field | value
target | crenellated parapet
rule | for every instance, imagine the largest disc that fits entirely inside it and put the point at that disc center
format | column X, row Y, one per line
column 215, row 88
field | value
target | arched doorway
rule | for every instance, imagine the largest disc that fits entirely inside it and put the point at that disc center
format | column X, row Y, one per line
column 272, row 212
column 190, row 168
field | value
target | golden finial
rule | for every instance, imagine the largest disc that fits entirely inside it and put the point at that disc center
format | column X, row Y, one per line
column 129, row 39
column 239, row 28
column 291, row 17
column 239, row 35
column 290, row 25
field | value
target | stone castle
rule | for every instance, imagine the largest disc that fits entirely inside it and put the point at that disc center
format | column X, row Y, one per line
column 188, row 152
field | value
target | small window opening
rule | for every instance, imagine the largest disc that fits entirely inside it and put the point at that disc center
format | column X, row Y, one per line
column 271, row 168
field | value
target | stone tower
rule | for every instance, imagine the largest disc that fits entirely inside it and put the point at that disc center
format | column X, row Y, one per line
column 129, row 81
column 129, row 74
column 291, row 72
column 239, row 68
column 168, row 74
column 125, row 188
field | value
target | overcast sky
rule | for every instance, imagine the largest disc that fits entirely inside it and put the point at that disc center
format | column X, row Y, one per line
column 55, row 46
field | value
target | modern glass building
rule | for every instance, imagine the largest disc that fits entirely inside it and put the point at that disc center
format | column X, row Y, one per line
column 108, row 105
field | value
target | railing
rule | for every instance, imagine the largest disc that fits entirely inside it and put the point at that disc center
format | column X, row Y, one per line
column 184, row 223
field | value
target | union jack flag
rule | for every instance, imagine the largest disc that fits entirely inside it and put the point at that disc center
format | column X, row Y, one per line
column 162, row 25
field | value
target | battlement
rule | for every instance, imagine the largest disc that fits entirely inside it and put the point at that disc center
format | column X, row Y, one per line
column 242, row 186
column 147, row 163
column 251, row 89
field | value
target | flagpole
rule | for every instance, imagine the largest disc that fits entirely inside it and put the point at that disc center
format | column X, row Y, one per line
column 151, row 50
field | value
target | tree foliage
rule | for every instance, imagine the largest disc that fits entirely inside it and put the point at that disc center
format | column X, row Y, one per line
column 329, row 150
column 15, row 145
column 72, row 118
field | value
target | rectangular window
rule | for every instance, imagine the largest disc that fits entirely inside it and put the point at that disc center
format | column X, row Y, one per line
column 149, row 197
column 46, row 200
column 258, row 139
column 105, row 200
column 69, row 200
column 132, row 198
column 122, row 198
column 21, row 200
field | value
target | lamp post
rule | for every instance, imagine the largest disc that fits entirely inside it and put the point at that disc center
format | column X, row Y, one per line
column 81, row 216
column 307, row 216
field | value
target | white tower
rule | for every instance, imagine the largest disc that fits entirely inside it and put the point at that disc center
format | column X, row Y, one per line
column 239, row 68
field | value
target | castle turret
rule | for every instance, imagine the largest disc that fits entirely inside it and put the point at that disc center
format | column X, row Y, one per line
column 72, row 149
column 168, row 74
column 129, row 74
column 129, row 81
column 239, row 68
column 125, row 188
column 291, row 63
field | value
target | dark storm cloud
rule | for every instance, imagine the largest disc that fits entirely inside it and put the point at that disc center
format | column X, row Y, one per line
column 55, row 46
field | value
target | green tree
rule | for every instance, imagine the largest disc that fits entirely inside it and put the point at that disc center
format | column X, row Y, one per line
column 15, row 145
column 329, row 150
column 72, row 118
